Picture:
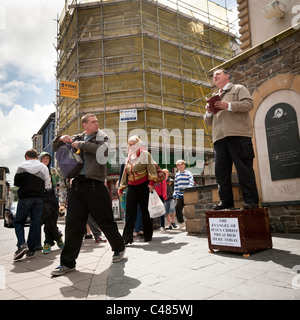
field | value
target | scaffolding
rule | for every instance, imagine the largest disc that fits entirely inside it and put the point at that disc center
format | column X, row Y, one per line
column 150, row 56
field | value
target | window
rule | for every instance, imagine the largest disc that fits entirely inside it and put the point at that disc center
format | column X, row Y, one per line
column 37, row 143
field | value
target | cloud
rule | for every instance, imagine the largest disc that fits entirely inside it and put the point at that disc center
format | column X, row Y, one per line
column 27, row 74
column 11, row 91
column 28, row 36
column 16, row 130
column 2, row 76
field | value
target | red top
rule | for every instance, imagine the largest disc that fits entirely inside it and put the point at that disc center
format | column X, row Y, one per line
column 161, row 189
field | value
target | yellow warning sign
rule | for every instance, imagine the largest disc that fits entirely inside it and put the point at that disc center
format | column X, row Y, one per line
column 69, row 89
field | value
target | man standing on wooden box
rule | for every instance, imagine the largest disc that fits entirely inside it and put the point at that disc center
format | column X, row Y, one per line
column 232, row 132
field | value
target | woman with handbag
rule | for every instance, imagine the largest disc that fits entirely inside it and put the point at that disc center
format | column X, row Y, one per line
column 139, row 176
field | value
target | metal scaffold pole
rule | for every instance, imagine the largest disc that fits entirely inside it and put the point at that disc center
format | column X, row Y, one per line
column 150, row 56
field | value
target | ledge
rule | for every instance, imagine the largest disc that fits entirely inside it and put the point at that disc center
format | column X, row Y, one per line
column 280, row 203
column 198, row 188
column 204, row 187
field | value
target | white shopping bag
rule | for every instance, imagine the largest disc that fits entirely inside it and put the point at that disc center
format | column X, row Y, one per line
column 156, row 207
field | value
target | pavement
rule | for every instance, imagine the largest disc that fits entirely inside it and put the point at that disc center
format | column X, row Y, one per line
column 173, row 266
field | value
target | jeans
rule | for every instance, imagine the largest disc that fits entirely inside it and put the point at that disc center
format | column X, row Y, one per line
column 139, row 221
column 162, row 218
column 49, row 219
column 179, row 207
column 31, row 207
column 94, row 227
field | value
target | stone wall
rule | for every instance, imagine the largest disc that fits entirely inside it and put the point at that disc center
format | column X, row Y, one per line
column 285, row 219
column 279, row 55
column 200, row 199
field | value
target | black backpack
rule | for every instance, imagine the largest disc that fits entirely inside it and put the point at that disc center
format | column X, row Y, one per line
column 70, row 163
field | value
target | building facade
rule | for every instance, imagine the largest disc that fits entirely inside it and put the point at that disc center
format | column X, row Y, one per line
column 4, row 190
column 271, row 17
column 42, row 140
column 142, row 67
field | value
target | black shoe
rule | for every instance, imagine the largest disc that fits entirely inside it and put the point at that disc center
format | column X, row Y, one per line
column 29, row 254
column 128, row 242
column 223, row 206
column 23, row 249
column 249, row 206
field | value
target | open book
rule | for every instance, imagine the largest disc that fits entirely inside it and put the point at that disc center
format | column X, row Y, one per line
column 212, row 102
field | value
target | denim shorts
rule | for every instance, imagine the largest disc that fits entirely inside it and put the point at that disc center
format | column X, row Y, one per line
column 169, row 206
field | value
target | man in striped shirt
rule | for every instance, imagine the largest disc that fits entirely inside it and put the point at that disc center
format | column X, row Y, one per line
column 183, row 179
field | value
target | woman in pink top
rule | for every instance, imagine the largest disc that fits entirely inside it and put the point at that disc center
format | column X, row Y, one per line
column 161, row 190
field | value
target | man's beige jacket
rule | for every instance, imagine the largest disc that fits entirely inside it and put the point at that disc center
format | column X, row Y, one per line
column 236, row 122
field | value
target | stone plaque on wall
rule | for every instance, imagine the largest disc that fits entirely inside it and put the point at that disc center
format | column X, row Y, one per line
column 283, row 141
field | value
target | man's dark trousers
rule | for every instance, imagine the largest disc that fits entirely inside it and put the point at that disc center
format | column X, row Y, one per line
column 88, row 196
column 237, row 150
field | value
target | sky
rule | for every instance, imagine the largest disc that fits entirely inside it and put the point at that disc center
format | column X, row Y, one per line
column 27, row 73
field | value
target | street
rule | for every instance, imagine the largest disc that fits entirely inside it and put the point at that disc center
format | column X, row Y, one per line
column 8, row 240
column 173, row 266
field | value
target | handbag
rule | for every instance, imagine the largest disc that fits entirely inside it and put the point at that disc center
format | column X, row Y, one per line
column 70, row 163
column 156, row 207
column 161, row 176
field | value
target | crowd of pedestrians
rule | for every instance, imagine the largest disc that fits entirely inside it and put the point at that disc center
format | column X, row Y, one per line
column 89, row 203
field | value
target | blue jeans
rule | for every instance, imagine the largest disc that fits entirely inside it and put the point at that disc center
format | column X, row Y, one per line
column 139, row 221
column 31, row 207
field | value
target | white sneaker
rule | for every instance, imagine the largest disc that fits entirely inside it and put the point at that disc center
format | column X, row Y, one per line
column 181, row 225
column 118, row 256
column 61, row 270
column 162, row 229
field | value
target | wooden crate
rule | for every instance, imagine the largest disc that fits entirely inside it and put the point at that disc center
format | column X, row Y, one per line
column 239, row 230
